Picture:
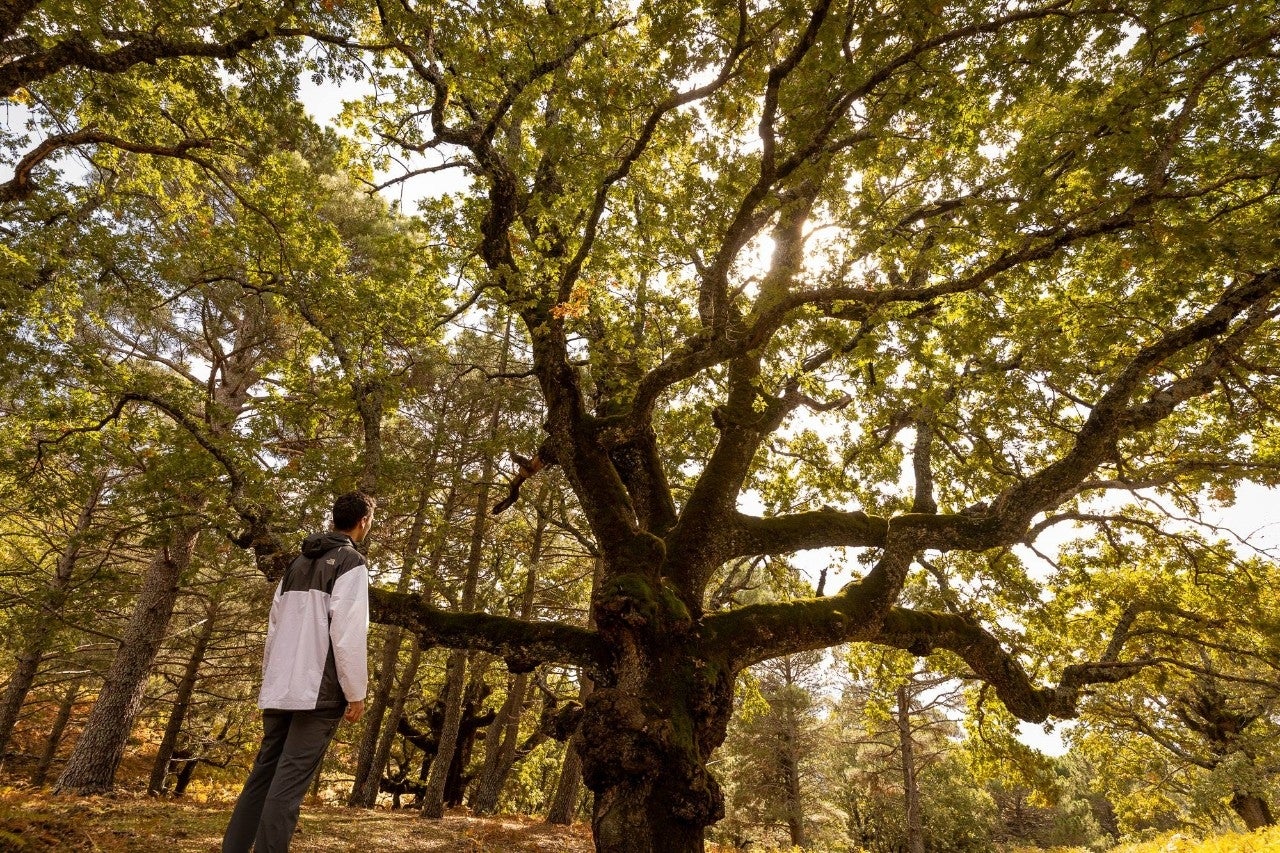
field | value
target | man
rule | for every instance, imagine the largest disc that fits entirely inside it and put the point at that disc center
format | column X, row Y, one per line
column 314, row 672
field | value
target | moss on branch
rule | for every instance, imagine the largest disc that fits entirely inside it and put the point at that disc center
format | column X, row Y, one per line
column 822, row 528
column 522, row 644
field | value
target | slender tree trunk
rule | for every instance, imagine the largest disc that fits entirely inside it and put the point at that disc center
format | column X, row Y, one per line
column 438, row 777
column 364, row 789
column 791, row 770
column 45, row 625
column 456, row 673
column 500, row 748
column 379, row 701
column 915, row 825
column 1253, row 810
column 368, row 794
column 564, row 803
column 65, row 707
column 96, row 755
column 387, row 738
column 182, row 701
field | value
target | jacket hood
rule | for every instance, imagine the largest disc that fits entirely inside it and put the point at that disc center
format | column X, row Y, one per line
column 318, row 544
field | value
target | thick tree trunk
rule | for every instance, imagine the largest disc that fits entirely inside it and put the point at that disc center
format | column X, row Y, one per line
column 96, row 755
column 46, row 620
column 182, row 701
column 1253, row 810
column 911, row 791
column 646, row 738
column 55, row 733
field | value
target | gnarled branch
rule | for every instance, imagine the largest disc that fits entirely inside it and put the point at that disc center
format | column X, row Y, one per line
column 522, row 644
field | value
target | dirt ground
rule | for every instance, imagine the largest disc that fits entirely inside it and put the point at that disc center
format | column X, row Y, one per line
column 31, row 821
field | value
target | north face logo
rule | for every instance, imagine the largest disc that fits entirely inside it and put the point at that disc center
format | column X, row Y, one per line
column 330, row 561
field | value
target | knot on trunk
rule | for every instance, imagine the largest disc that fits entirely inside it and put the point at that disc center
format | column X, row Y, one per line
column 635, row 602
column 561, row 722
column 619, row 742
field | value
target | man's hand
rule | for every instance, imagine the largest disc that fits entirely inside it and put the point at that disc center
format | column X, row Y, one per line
column 355, row 710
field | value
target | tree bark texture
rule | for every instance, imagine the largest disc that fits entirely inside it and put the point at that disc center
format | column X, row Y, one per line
column 60, row 720
column 911, row 791
column 182, row 699
column 1253, row 810
column 454, row 686
column 47, row 619
column 500, row 746
column 92, row 766
column 564, row 802
column 364, row 789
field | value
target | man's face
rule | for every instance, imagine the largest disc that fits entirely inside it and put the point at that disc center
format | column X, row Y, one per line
column 362, row 528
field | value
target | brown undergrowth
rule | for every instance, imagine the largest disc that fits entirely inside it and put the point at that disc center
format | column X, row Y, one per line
column 36, row 821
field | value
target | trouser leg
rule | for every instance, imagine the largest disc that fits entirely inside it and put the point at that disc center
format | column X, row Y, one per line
column 304, row 746
column 244, row 819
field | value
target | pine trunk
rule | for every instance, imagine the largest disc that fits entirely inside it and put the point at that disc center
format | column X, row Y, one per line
column 438, row 778
column 564, row 803
column 55, row 733
column 364, row 789
column 182, row 701
column 433, row 798
column 500, row 749
column 92, row 766
column 46, row 622
column 368, row 786
column 915, row 826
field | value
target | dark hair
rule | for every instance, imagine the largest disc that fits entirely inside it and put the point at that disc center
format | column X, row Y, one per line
column 348, row 509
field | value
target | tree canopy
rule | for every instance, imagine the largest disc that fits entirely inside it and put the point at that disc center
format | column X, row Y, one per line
column 922, row 281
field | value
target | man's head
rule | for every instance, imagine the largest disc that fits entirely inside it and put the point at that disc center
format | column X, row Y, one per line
column 353, row 514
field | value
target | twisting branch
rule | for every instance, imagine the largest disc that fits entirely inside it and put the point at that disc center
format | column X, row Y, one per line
column 20, row 186
column 76, row 50
column 921, row 632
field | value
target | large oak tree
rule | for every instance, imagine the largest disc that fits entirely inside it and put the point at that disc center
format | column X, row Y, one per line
column 953, row 272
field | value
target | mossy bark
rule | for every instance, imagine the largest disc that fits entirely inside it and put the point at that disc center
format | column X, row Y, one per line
column 648, row 731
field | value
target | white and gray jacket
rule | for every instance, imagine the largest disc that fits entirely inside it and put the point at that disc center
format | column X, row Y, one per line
column 317, row 639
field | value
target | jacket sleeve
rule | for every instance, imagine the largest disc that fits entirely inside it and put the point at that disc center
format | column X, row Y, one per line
column 349, row 631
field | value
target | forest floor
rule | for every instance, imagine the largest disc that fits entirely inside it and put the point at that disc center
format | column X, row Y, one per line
column 36, row 821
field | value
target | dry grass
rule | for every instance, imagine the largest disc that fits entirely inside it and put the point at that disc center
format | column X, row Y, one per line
column 31, row 821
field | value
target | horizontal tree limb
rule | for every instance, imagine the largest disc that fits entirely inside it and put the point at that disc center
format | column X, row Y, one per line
column 523, row 645
column 823, row 528
column 921, row 632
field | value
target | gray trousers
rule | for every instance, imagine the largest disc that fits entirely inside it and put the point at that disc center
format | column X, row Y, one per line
column 293, row 742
